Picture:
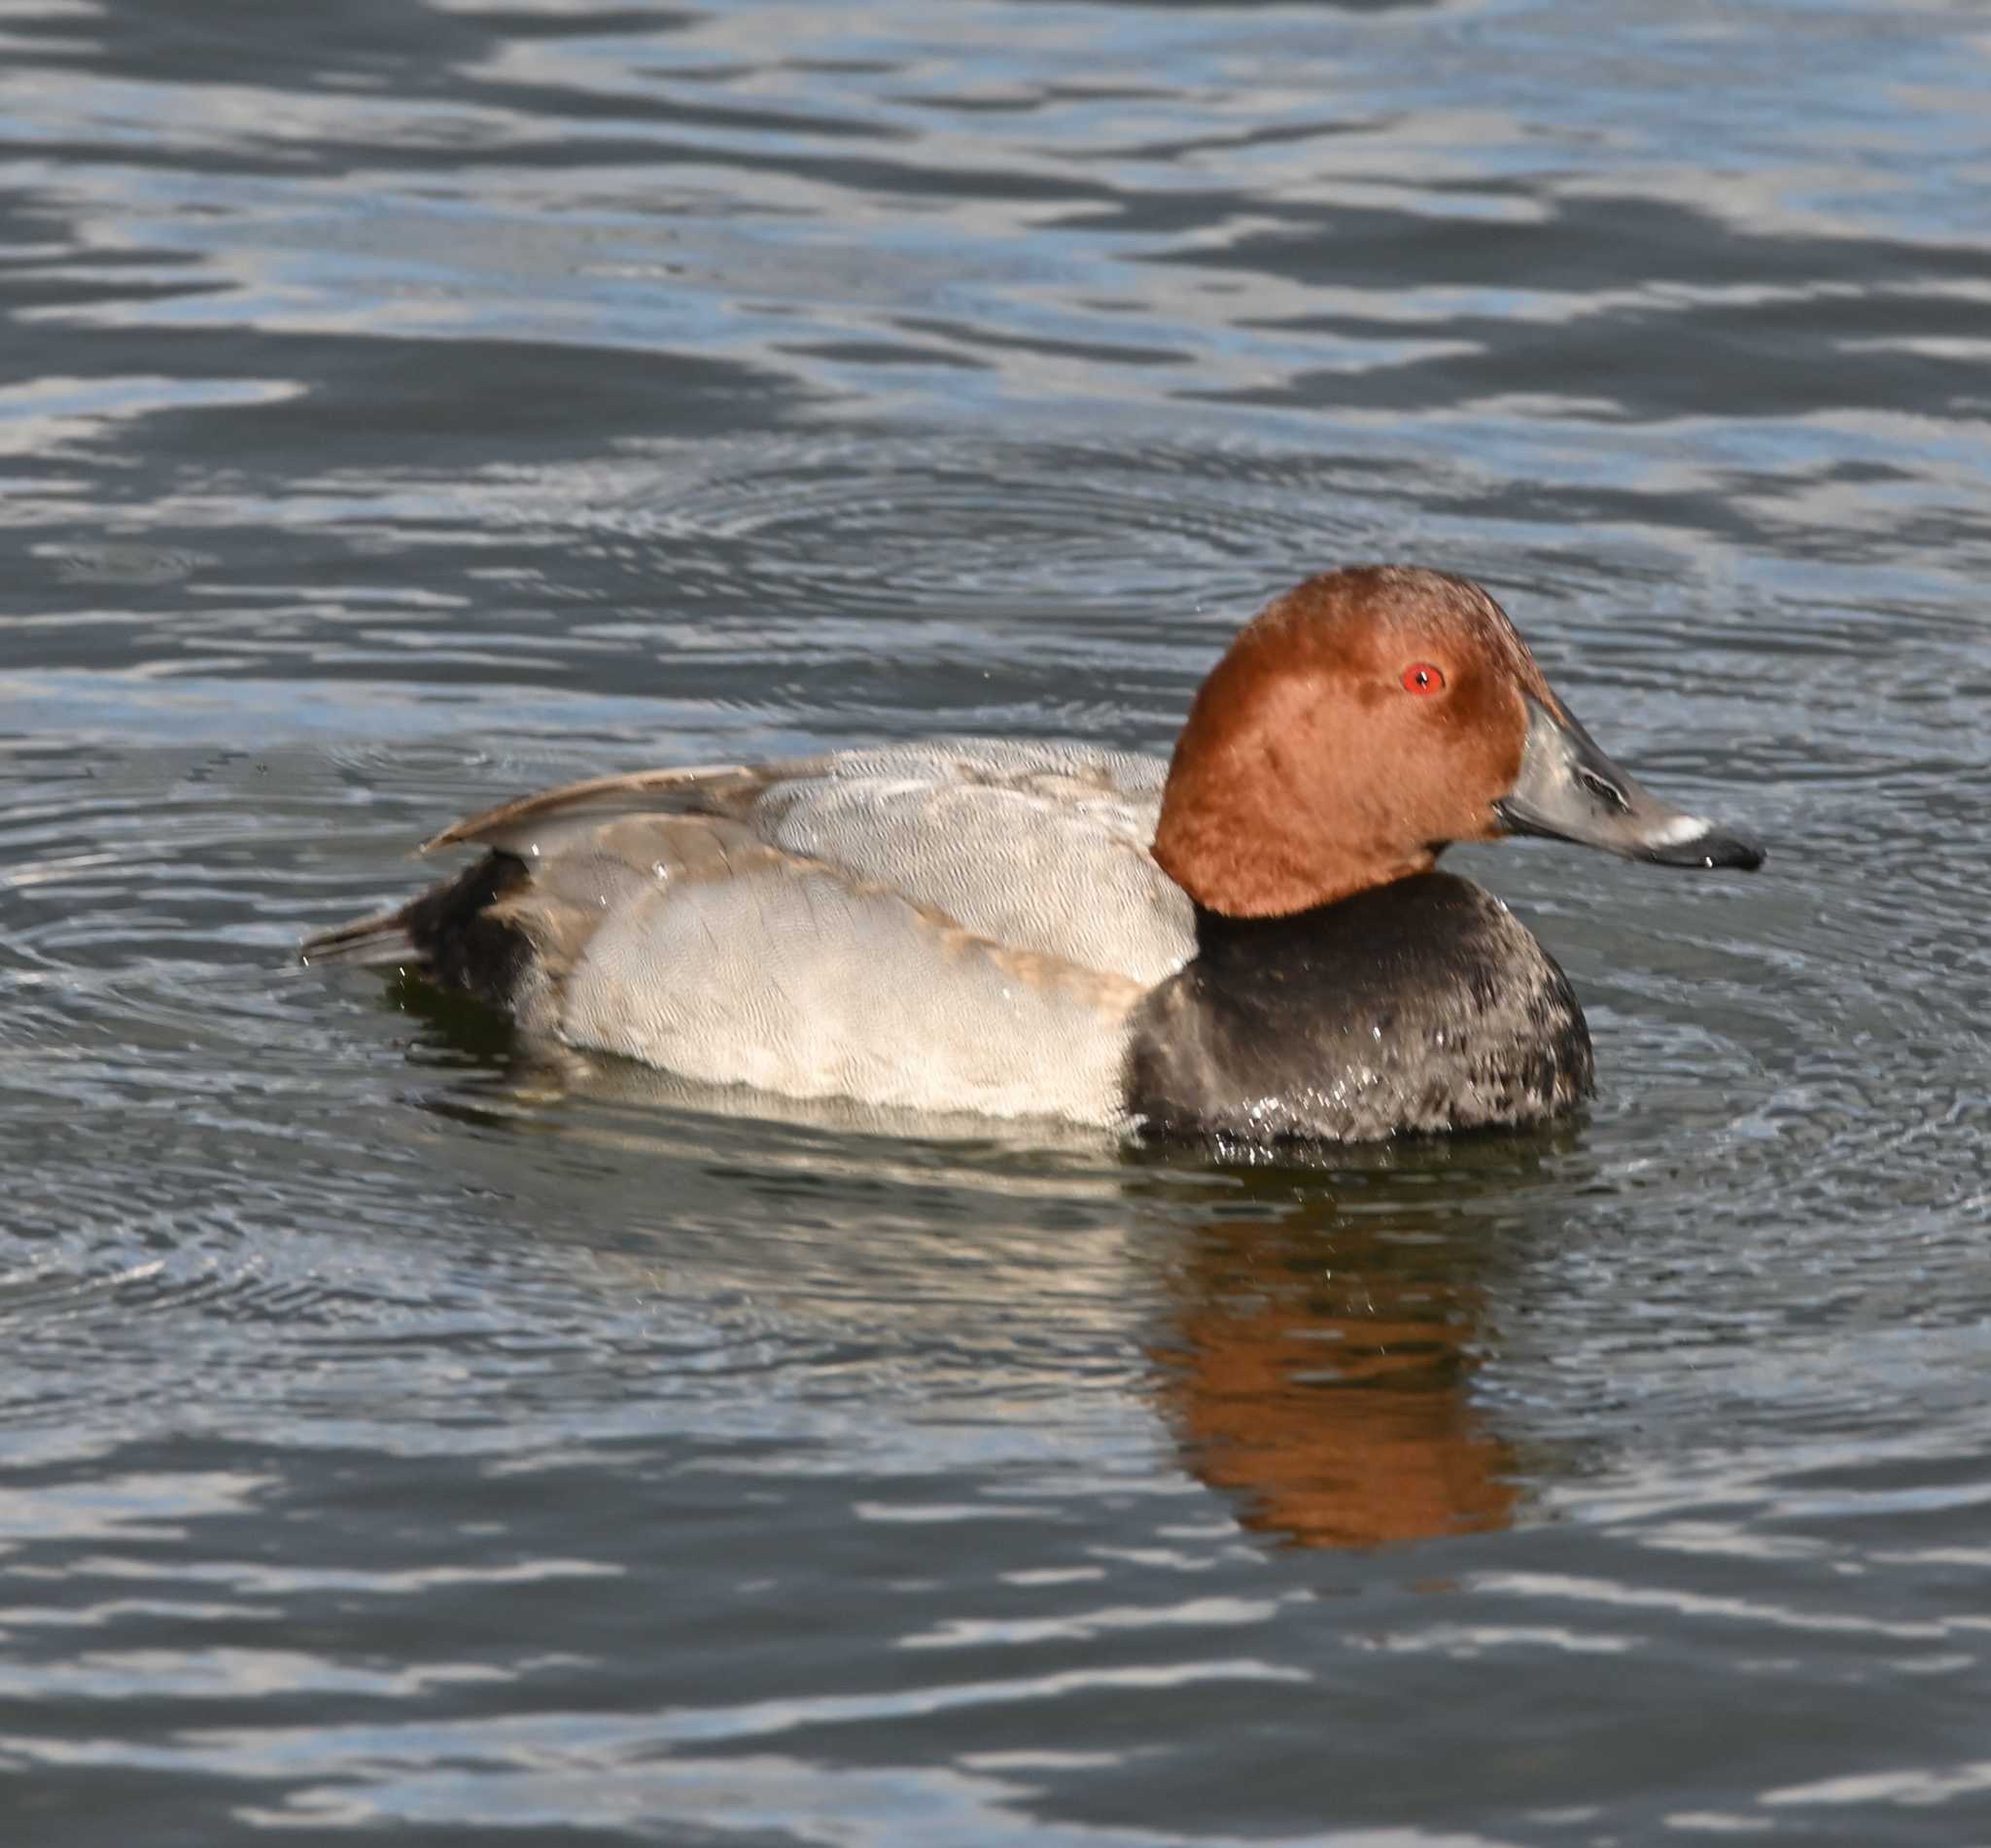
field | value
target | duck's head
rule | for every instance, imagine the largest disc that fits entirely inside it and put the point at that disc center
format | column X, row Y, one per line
column 1366, row 719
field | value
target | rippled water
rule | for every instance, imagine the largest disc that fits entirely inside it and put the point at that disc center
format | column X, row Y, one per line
column 406, row 406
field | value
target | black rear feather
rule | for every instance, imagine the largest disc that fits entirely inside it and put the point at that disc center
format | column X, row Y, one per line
column 449, row 933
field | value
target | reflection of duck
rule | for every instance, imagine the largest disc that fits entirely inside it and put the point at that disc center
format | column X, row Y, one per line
column 1314, row 1363
column 1251, row 941
column 1320, row 1370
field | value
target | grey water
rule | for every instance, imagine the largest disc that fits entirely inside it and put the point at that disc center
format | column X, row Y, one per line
column 409, row 403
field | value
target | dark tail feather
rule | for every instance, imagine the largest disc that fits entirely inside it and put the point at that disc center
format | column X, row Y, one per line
column 447, row 933
column 381, row 941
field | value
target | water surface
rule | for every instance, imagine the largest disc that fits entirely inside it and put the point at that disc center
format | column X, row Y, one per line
column 405, row 406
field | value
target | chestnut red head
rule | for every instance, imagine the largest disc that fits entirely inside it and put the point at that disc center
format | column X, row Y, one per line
column 1366, row 719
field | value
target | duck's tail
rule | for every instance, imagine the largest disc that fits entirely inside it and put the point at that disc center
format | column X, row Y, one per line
column 456, row 934
column 380, row 942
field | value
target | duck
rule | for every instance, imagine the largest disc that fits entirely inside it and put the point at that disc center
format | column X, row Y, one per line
column 1249, row 942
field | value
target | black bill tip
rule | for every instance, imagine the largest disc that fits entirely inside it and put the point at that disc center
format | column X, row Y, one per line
column 1707, row 845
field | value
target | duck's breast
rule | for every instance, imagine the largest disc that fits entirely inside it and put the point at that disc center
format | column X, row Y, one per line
column 1416, row 1007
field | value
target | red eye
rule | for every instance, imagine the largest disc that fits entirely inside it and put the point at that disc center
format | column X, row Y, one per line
column 1421, row 677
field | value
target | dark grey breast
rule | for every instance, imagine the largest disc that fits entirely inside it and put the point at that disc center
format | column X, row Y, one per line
column 1423, row 1006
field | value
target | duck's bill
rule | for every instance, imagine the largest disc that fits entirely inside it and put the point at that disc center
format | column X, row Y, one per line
column 1570, row 790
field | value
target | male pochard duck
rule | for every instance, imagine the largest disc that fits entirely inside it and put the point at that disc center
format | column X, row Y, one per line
column 1248, row 942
